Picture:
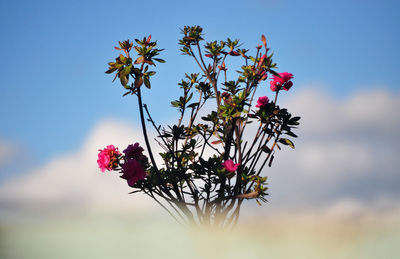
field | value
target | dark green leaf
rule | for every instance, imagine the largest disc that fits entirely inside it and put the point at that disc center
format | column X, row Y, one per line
column 286, row 141
column 266, row 149
column 159, row 60
column 123, row 79
column 175, row 104
column 274, row 73
column 295, row 118
column 270, row 161
column 111, row 70
column 193, row 105
column 147, row 82
column 291, row 134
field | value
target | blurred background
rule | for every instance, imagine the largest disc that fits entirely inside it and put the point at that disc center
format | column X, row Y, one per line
column 337, row 195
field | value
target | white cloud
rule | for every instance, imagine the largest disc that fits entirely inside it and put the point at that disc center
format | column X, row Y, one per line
column 316, row 158
column 73, row 181
column 375, row 110
column 336, row 161
column 346, row 148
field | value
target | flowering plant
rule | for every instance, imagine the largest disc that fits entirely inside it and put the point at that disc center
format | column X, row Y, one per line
column 210, row 166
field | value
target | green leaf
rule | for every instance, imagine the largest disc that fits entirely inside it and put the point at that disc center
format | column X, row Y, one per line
column 274, row 73
column 111, row 70
column 126, row 71
column 123, row 79
column 193, row 105
column 294, row 121
column 175, row 104
column 159, row 60
column 266, row 149
column 189, row 98
column 270, row 161
column 241, row 95
column 286, row 141
column 147, row 82
column 291, row 134
column 136, row 71
column 123, row 59
column 295, row 118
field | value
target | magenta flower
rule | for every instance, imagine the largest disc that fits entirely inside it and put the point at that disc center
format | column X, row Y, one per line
column 230, row 166
column 108, row 158
column 133, row 151
column 287, row 86
column 283, row 81
column 285, row 77
column 133, row 171
column 262, row 101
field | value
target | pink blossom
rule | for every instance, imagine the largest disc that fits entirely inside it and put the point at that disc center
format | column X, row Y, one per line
column 284, row 77
column 108, row 158
column 283, row 81
column 133, row 171
column 262, row 101
column 273, row 86
column 230, row 166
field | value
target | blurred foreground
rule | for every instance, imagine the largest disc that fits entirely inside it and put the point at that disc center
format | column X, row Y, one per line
column 154, row 235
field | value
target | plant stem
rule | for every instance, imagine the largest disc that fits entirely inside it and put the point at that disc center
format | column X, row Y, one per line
column 146, row 139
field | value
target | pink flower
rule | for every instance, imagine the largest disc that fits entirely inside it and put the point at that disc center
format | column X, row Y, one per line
column 285, row 77
column 108, row 158
column 281, row 82
column 262, row 101
column 273, row 86
column 230, row 166
column 132, row 171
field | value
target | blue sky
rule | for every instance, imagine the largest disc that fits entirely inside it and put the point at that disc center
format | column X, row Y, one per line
column 54, row 53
